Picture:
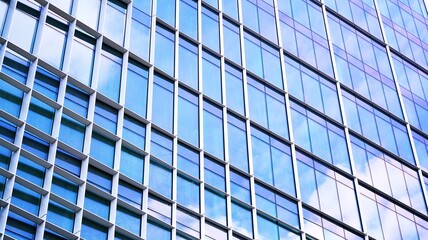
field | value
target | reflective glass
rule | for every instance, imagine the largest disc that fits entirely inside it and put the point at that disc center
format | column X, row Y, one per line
column 188, row 64
column 72, row 132
column 210, row 29
column 189, row 18
column 41, row 115
column 110, row 73
column 24, row 27
column 188, row 117
column 100, row 142
column 188, row 193
column 132, row 165
column 163, row 100
column 114, row 21
column 167, row 11
column 88, row 12
column 242, row 220
column 238, row 145
column 82, row 57
column 54, row 36
column 136, row 88
column 164, row 56
column 215, row 206
column 160, row 179
column 211, row 76
column 140, row 29
column 213, row 130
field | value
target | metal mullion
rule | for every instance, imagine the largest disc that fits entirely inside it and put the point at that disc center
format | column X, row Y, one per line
column 128, row 23
column 9, row 17
column 40, row 27
column 149, row 118
column 346, row 129
column 248, row 129
column 175, row 125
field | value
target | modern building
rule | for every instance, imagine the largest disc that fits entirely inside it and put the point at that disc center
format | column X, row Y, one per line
column 213, row 119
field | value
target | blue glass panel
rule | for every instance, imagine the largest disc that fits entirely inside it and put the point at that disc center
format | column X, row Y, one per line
column 64, row 188
column 76, row 100
column 237, row 136
column 136, row 88
column 31, row 171
column 82, row 57
column 214, row 174
column 188, row 193
column 242, row 220
column 105, row 156
column 164, row 59
column 232, row 41
column 53, row 38
column 215, row 207
column 88, row 12
column 167, row 11
column 188, row 64
column 60, row 216
column 156, row 231
column 234, row 89
column 132, row 165
column 211, row 76
column 188, row 117
column 115, row 16
column 72, row 132
column 163, row 99
column 10, row 98
column 128, row 220
column 105, row 116
column 67, row 162
column 92, row 230
column 213, row 130
column 161, row 147
column 24, row 27
column 99, row 178
column 140, row 29
column 97, row 205
column 189, row 18
column 160, row 179
column 46, row 83
column 134, row 132
column 210, row 29
column 110, row 73
column 40, row 115
column 188, row 161
column 26, row 199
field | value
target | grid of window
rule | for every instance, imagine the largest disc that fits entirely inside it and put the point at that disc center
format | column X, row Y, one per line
column 216, row 119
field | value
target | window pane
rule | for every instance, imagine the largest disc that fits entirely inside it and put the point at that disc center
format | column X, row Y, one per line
column 136, row 88
column 188, row 117
column 213, row 130
column 132, row 165
column 82, row 57
column 114, row 25
column 110, row 73
column 54, row 35
column 160, row 179
column 88, row 12
column 163, row 99
column 164, row 56
column 24, row 27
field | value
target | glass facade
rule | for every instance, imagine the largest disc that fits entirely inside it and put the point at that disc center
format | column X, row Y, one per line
column 214, row 119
